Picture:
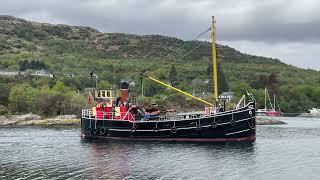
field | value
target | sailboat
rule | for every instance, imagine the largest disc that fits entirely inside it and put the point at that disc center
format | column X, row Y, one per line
column 272, row 111
column 120, row 118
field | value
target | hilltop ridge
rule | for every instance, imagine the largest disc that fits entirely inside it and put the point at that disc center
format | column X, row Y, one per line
column 34, row 37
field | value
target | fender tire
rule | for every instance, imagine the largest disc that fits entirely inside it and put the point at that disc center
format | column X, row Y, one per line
column 173, row 130
column 214, row 125
column 95, row 130
column 103, row 131
column 156, row 129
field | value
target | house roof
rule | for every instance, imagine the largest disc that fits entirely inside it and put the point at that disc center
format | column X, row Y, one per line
column 227, row 93
column 5, row 70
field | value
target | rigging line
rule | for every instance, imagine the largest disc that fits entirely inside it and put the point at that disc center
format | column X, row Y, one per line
column 179, row 58
column 197, row 37
column 201, row 34
column 185, row 43
column 278, row 105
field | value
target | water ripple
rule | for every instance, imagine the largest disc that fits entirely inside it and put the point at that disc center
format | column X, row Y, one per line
column 47, row 153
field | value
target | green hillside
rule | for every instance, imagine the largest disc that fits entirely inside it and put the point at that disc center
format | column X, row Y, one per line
column 75, row 50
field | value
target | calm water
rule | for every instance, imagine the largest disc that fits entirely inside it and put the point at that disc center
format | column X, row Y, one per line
column 289, row 151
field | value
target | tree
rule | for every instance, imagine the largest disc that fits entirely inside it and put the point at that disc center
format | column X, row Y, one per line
column 152, row 88
column 271, row 82
column 21, row 98
column 4, row 95
column 104, row 85
column 77, row 102
column 172, row 78
column 197, row 84
column 23, row 65
column 60, row 87
column 48, row 102
column 34, row 64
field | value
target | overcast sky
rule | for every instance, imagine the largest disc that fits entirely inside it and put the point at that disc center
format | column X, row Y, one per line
column 288, row 30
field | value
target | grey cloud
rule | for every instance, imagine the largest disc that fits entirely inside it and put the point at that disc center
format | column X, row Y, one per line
column 304, row 55
column 236, row 20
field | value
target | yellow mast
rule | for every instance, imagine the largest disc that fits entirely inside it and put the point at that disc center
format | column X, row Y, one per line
column 214, row 60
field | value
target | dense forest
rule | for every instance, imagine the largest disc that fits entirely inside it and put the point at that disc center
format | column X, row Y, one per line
column 64, row 50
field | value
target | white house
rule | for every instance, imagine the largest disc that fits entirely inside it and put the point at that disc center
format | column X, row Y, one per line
column 8, row 73
column 71, row 75
column 42, row 72
column 227, row 96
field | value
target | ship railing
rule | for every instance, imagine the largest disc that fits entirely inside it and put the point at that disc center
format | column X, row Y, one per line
column 88, row 113
column 242, row 102
column 208, row 111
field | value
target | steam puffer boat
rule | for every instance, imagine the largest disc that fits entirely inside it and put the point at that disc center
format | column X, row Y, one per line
column 120, row 118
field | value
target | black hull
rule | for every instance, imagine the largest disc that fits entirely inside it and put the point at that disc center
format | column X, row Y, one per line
column 236, row 125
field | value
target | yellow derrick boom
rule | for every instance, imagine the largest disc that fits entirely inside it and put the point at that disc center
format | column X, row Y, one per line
column 180, row 91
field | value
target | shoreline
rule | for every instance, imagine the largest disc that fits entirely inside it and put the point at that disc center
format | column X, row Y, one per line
column 32, row 120
column 44, row 123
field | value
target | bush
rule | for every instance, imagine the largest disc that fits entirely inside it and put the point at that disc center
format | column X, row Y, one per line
column 3, row 110
column 45, row 101
column 21, row 98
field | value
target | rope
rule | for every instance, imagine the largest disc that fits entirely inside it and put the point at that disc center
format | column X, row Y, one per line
column 173, row 62
column 180, row 57
column 202, row 34
column 197, row 37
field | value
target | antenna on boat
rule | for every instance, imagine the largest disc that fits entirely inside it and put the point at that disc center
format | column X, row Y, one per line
column 141, row 82
column 214, row 61
column 265, row 97
column 274, row 101
column 96, row 77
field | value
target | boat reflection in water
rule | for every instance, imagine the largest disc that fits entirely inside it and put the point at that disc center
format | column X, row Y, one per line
column 129, row 159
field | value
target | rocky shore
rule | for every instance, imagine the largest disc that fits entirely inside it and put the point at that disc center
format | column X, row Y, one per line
column 268, row 121
column 310, row 115
column 35, row 120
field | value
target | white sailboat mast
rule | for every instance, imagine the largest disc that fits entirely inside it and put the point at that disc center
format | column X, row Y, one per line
column 269, row 99
column 265, row 98
column 274, row 101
